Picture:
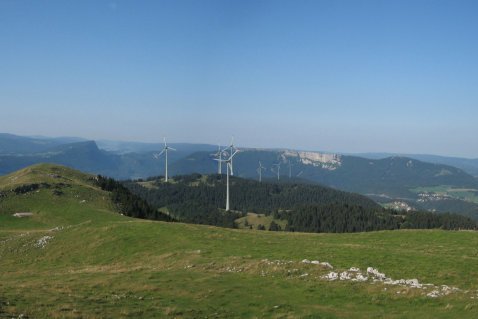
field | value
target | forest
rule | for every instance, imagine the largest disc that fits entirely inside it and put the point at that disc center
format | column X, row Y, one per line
column 199, row 199
column 128, row 203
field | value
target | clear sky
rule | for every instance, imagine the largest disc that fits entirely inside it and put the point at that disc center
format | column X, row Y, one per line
column 347, row 76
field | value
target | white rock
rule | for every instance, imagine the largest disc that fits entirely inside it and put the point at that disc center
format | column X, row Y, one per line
column 327, row 265
column 331, row 276
column 345, row 276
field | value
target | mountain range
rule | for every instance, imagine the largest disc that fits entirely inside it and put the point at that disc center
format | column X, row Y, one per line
column 396, row 182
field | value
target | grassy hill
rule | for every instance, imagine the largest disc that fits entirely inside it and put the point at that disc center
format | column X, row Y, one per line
column 76, row 257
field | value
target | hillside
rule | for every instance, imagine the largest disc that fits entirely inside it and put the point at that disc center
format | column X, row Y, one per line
column 469, row 165
column 76, row 257
column 286, row 205
column 200, row 198
column 49, row 195
column 389, row 180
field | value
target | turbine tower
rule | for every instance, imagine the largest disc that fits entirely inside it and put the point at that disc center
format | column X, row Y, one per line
column 278, row 170
column 232, row 149
column 228, row 168
column 165, row 150
column 290, row 169
column 259, row 171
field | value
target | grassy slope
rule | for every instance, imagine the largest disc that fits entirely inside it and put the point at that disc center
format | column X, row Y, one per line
column 103, row 265
column 255, row 220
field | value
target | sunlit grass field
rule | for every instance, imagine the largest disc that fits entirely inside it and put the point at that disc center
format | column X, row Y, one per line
column 96, row 263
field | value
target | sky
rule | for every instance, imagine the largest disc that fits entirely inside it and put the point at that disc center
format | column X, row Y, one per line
column 341, row 76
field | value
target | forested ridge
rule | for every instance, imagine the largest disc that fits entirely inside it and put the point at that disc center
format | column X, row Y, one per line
column 309, row 208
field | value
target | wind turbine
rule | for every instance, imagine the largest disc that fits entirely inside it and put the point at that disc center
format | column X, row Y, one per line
column 165, row 150
column 290, row 169
column 219, row 154
column 278, row 170
column 300, row 173
column 259, row 171
column 232, row 150
column 228, row 168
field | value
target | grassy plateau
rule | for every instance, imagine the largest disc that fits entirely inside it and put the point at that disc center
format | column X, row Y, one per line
column 76, row 257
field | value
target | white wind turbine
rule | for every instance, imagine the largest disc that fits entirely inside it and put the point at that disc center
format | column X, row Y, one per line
column 228, row 168
column 165, row 150
column 218, row 155
column 278, row 170
column 259, row 171
column 290, row 169
column 232, row 149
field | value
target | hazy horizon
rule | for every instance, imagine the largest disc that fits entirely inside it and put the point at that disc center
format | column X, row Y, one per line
column 336, row 76
column 160, row 142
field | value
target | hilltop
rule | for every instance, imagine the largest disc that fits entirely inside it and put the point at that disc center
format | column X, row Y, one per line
column 77, row 257
column 53, row 194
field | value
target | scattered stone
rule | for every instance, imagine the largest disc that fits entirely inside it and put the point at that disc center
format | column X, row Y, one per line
column 41, row 243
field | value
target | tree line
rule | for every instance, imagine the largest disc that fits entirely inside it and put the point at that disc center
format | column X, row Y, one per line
column 337, row 218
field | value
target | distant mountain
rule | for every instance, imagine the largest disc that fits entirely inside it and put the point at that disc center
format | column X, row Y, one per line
column 351, row 173
column 13, row 144
column 121, row 147
column 469, row 165
column 86, row 156
column 82, row 155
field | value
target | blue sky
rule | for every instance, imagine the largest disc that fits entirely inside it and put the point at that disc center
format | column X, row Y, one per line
column 347, row 76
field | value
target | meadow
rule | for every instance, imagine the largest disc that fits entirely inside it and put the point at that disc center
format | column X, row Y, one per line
column 77, row 258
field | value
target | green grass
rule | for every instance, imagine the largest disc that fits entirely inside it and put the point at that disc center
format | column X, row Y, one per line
column 104, row 265
column 255, row 220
